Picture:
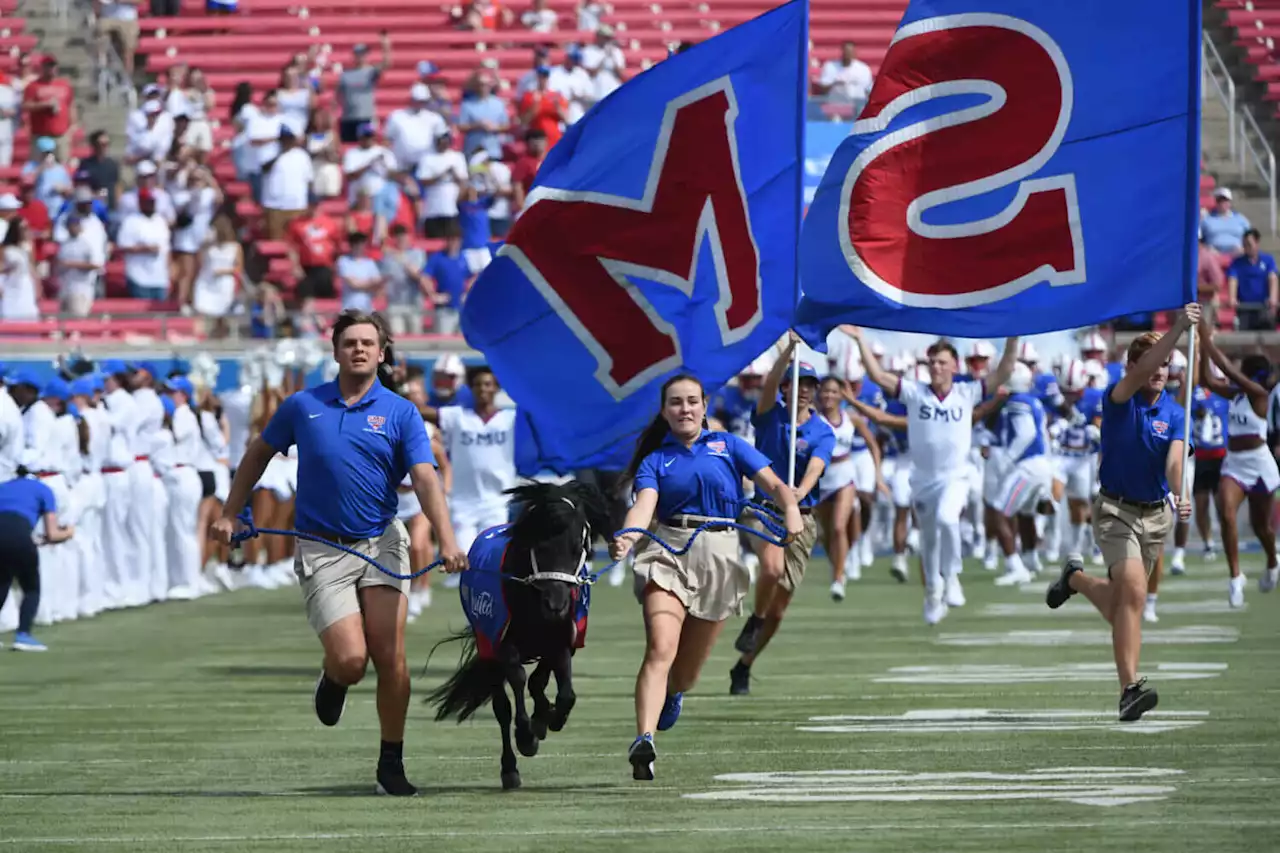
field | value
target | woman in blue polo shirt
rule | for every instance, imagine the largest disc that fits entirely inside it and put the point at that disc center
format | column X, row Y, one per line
column 686, row 476
column 1143, row 451
column 24, row 502
column 782, row 570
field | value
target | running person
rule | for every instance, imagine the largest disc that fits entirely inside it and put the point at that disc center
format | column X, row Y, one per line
column 23, row 502
column 940, row 428
column 1078, row 445
column 837, row 489
column 421, row 546
column 355, row 441
column 1249, row 470
column 1142, row 453
column 1029, row 478
column 1209, row 415
column 687, row 476
column 782, row 569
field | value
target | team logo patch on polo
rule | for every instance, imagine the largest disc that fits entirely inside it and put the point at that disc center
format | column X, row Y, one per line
column 717, row 447
column 376, row 422
column 1161, row 427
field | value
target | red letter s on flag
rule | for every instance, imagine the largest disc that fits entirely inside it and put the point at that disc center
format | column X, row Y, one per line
column 960, row 154
column 579, row 248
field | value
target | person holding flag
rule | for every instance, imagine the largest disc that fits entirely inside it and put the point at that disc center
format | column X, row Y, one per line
column 782, row 570
column 1143, row 451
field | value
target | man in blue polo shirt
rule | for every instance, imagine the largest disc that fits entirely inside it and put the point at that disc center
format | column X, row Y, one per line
column 356, row 441
column 1253, row 286
column 1143, row 451
column 782, row 570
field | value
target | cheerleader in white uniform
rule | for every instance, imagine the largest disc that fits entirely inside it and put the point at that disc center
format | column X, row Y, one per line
column 221, row 267
column 183, row 488
column 1250, row 470
column 95, row 433
column 837, row 488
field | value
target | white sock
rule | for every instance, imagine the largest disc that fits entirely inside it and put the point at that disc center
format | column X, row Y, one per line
column 1013, row 564
column 1179, row 554
column 1151, row 599
column 1079, row 538
column 1031, row 559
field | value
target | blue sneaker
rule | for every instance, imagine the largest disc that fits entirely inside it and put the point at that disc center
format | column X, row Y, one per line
column 641, row 755
column 23, row 642
column 670, row 712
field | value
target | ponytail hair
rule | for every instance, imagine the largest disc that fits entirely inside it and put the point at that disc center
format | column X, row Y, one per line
column 657, row 430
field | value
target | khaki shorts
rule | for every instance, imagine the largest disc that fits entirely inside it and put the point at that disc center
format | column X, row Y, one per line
column 330, row 578
column 125, row 31
column 1126, row 532
column 798, row 552
column 710, row 581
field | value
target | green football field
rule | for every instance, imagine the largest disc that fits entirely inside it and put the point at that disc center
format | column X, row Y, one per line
column 189, row 727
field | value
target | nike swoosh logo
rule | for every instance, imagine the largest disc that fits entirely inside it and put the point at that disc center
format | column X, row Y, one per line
column 667, row 464
column 313, row 417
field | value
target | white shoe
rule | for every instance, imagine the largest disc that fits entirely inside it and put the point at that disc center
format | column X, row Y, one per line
column 283, row 573
column 898, row 568
column 1096, row 559
column 1051, row 557
column 1015, row 578
column 1235, row 591
column 182, row 593
column 1178, row 566
column 913, row 540
column 452, row 581
column 1149, row 613
column 1210, row 555
column 837, row 591
column 953, row 593
column 415, row 605
column 991, row 561
column 1268, row 580
column 206, row 585
column 867, row 553
column 852, row 566
column 424, row 597
column 935, row 610
column 222, row 575
column 752, row 562
column 617, row 574
column 256, row 577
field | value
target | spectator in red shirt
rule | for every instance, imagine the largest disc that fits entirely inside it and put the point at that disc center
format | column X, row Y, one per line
column 49, row 104
column 542, row 108
column 39, row 225
column 526, row 167
column 313, row 248
column 363, row 219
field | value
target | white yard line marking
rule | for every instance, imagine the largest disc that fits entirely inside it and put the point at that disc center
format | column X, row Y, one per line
column 1053, row 674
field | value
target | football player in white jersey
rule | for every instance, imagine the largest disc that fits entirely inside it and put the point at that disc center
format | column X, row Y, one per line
column 940, row 418
column 480, row 441
column 1029, row 478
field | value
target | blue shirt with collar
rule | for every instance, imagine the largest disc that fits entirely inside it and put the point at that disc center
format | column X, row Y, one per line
column 705, row 479
column 27, row 497
column 773, row 438
column 1251, row 277
column 734, row 410
column 350, row 458
column 1135, row 444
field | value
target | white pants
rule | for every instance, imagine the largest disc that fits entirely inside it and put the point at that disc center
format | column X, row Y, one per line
column 864, row 472
column 117, row 540
column 938, row 506
column 1030, row 482
column 1077, row 474
column 897, row 474
column 182, row 487
column 470, row 519
column 93, row 569
column 141, row 531
column 58, row 592
column 158, row 583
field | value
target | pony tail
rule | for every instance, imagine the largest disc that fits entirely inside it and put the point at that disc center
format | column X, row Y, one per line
column 650, row 440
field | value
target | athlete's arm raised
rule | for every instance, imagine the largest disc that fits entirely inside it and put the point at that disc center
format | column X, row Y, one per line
column 877, row 374
column 1154, row 358
column 1004, row 369
column 1258, row 395
column 879, row 418
column 769, row 393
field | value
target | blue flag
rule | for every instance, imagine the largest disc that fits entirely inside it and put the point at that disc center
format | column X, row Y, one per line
column 1023, row 168
column 659, row 237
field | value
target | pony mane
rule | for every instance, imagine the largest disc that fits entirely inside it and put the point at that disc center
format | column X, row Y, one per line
column 549, row 509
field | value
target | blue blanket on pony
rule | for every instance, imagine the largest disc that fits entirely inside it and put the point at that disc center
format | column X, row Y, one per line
column 484, row 600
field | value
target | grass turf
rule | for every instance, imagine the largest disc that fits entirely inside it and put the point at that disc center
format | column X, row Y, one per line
column 188, row 727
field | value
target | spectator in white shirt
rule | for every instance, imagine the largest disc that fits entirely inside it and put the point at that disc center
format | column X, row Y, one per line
column 286, row 184
column 539, row 18
column 359, row 278
column 442, row 174
column 847, row 79
column 262, row 129
column 411, row 131
column 80, row 262
column 144, row 240
column 196, row 203
column 295, row 100
column 9, row 104
column 17, row 284
column 92, row 229
column 153, row 139
column 147, row 177
column 604, row 62
column 572, row 81
column 366, row 167
column 589, row 13
column 175, row 90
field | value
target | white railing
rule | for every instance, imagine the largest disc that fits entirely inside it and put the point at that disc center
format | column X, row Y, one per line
column 1253, row 143
column 1213, row 71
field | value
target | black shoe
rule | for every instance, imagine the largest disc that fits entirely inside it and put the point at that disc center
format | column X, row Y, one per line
column 391, row 781
column 1137, row 700
column 740, row 680
column 750, row 636
column 1060, row 590
column 331, row 700
column 642, row 756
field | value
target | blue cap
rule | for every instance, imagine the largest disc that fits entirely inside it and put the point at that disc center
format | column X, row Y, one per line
column 46, row 145
column 806, row 372
column 99, row 382
column 573, row 51
column 23, row 377
column 543, row 70
column 169, row 406
column 56, row 388
column 181, row 383
column 148, row 366
column 113, row 365
column 82, row 387
column 426, row 68
column 73, row 410
column 365, row 128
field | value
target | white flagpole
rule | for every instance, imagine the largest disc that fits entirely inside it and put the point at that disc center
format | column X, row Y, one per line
column 1189, row 382
column 795, row 413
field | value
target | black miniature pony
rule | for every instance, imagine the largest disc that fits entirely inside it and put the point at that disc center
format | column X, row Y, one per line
column 526, row 603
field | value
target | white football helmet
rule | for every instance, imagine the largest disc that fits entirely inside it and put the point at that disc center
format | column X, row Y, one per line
column 1073, row 378
column 980, row 349
column 922, row 374
column 1091, row 343
column 1097, row 373
column 1027, row 353
column 1177, row 363
column 877, row 349
column 1021, row 380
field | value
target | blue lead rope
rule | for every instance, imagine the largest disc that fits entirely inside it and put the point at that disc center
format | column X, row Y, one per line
column 769, row 518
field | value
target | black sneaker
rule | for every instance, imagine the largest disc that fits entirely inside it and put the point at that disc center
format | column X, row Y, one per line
column 1060, row 590
column 391, row 781
column 740, row 680
column 1137, row 700
column 642, row 755
column 330, row 701
column 750, row 636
